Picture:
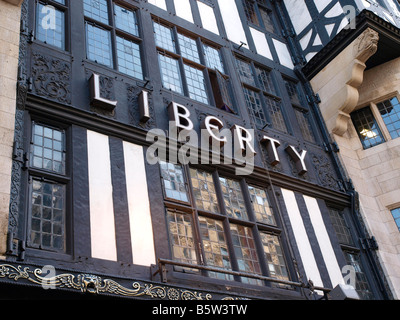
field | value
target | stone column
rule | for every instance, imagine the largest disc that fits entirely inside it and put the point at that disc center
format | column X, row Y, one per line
column 10, row 13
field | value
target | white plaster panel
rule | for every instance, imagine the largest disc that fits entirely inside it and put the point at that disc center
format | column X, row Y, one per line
column 232, row 22
column 159, row 3
column 283, row 54
column 261, row 43
column 207, row 16
column 301, row 238
column 183, row 9
column 324, row 242
column 298, row 13
column 321, row 4
column 102, row 223
column 139, row 206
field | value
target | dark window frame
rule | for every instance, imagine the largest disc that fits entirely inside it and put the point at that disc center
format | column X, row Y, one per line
column 115, row 32
column 65, row 9
column 216, row 82
column 264, row 96
column 349, row 248
column 256, row 227
column 48, row 176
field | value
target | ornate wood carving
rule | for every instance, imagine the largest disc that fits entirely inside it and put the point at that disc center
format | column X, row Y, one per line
column 51, row 78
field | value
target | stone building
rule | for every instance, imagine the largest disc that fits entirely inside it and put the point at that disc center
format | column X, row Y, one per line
column 116, row 191
column 355, row 75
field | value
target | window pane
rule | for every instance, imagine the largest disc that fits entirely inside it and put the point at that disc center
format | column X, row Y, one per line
column 170, row 74
column 245, row 72
column 245, row 252
column 261, row 206
column 390, row 112
column 196, row 84
column 396, row 216
column 129, row 60
column 367, row 128
column 362, row 286
column 126, row 20
column 213, row 58
column 98, row 45
column 50, row 34
column 164, row 38
column 250, row 11
column 47, row 149
column 293, row 91
column 265, row 79
column 340, row 226
column 233, row 198
column 215, row 246
column 275, row 258
column 204, row 190
column 305, row 125
column 96, row 9
column 181, row 237
column 188, row 47
column 174, row 181
column 275, row 112
column 221, row 90
column 254, row 106
column 267, row 20
column 48, row 215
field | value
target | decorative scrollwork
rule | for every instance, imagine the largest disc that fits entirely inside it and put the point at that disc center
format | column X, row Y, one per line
column 51, row 78
column 93, row 284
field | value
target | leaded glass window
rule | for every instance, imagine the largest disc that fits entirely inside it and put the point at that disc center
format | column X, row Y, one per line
column 261, row 206
column 50, row 25
column 126, row 20
column 367, row 128
column 204, row 190
column 180, row 227
column 274, row 108
column 129, row 61
column 303, row 119
column 48, row 150
column 245, row 252
column 188, row 47
column 274, row 257
column 224, row 224
column 390, row 112
column 265, row 79
column 250, row 11
column 340, row 226
column 215, row 246
column 164, row 37
column 99, row 45
column 48, row 211
column 170, row 73
column 213, row 58
column 113, row 40
column 191, row 68
column 245, row 72
column 96, row 9
column 233, row 198
column 196, row 84
column 253, row 102
column 173, row 181
column 48, row 178
column 362, row 287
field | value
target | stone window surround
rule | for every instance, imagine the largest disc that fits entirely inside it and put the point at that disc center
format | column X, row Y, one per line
column 374, row 108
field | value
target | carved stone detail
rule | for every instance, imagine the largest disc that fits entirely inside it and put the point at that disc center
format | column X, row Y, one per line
column 339, row 90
